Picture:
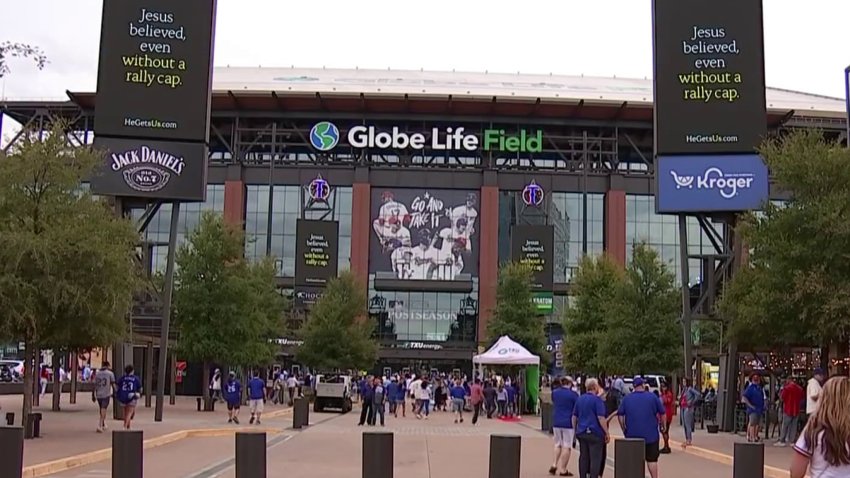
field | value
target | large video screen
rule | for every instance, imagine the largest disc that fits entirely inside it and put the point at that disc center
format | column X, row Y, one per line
column 154, row 74
column 316, row 252
column 424, row 234
column 533, row 245
column 709, row 76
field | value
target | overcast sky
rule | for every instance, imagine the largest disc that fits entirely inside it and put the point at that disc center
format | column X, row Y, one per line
column 803, row 40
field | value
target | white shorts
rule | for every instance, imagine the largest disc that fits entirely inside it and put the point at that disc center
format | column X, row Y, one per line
column 256, row 406
column 564, row 437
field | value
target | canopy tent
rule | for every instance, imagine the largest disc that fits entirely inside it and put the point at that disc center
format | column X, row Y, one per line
column 506, row 352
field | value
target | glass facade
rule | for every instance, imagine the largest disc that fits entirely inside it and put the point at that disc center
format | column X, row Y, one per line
column 424, row 316
column 188, row 219
column 576, row 233
column 270, row 219
column 661, row 231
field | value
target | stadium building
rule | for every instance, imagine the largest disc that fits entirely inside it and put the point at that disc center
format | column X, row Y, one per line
column 426, row 173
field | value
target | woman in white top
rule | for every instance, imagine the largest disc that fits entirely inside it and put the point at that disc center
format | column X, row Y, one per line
column 823, row 448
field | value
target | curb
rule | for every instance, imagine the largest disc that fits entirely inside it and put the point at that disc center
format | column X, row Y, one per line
column 84, row 459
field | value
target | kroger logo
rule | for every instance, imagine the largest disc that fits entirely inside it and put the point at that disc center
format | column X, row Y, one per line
column 727, row 184
column 324, row 136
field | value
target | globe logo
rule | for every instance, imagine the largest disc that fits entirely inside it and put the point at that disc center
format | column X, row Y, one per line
column 324, row 136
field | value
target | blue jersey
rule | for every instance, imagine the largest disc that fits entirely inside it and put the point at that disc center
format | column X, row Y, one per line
column 128, row 387
column 233, row 391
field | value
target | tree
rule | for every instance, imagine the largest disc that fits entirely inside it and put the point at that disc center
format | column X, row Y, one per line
column 19, row 50
column 226, row 309
column 642, row 331
column 67, row 263
column 795, row 284
column 337, row 335
column 596, row 284
column 515, row 314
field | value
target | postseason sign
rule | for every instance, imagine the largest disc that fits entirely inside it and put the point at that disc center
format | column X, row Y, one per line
column 534, row 246
column 316, row 250
column 155, row 69
column 709, row 76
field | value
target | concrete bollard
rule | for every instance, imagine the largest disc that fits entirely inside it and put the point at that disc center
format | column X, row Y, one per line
column 251, row 455
column 378, row 455
column 629, row 458
column 505, row 453
column 749, row 460
column 11, row 452
column 127, row 454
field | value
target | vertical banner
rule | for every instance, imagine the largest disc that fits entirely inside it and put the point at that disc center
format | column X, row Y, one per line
column 534, row 246
column 316, row 250
column 708, row 76
column 153, row 97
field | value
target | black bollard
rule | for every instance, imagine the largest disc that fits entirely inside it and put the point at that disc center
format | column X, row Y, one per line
column 250, row 455
column 36, row 425
column 11, row 452
column 10, row 419
column 127, row 459
column 300, row 413
column 505, row 452
column 378, row 455
column 749, row 460
column 629, row 458
column 546, row 415
column 200, row 400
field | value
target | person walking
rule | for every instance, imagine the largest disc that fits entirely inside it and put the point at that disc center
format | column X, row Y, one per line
column 669, row 402
column 392, row 392
column 823, row 449
column 476, row 399
column 291, row 388
column 256, row 397
column 233, row 397
column 378, row 402
column 367, row 396
column 415, row 386
column 490, row 395
column 563, row 405
column 753, row 398
column 813, row 389
column 423, row 399
column 641, row 413
column 458, row 396
column 400, row 398
column 502, row 400
column 129, row 391
column 688, row 403
column 104, row 388
column 215, row 386
column 591, row 429
column 791, row 396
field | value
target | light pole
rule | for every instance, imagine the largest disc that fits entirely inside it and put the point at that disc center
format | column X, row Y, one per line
column 847, row 103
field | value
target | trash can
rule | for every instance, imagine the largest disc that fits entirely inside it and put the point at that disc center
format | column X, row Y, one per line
column 546, row 411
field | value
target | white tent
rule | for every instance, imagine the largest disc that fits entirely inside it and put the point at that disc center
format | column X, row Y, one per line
column 506, row 352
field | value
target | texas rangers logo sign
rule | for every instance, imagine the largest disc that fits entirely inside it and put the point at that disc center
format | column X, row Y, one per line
column 532, row 194
column 319, row 189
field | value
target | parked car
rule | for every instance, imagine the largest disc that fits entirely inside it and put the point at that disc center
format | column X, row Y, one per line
column 16, row 367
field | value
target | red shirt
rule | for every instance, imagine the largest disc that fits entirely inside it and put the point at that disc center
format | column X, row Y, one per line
column 669, row 404
column 476, row 393
column 791, row 395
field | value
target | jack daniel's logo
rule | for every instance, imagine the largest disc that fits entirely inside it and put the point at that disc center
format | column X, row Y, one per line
column 146, row 169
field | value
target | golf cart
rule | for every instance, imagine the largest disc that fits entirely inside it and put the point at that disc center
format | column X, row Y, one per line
column 333, row 391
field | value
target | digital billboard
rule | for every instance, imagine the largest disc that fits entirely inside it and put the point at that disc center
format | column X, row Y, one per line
column 708, row 76
column 149, row 168
column 424, row 234
column 155, row 69
column 735, row 182
column 316, row 250
column 533, row 245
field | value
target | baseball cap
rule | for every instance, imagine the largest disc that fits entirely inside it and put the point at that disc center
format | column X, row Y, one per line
column 637, row 381
column 819, row 371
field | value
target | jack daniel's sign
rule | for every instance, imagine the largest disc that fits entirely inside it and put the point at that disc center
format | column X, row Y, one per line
column 147, row 169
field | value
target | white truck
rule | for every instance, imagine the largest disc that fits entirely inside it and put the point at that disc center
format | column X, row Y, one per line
column 333, row 391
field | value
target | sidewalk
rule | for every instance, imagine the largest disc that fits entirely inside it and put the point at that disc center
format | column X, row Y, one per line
column 72, row 432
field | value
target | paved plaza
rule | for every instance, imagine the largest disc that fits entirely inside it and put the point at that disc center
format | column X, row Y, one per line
column 191, row 444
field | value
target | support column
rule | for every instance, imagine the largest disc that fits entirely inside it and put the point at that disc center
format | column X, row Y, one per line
column 361, row 225
column 488, row 258
column 234, row 201
column 615, row 225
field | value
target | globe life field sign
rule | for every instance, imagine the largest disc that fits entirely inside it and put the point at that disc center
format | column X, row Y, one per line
column 153, row 98
column 324, row 136
column 709, row 76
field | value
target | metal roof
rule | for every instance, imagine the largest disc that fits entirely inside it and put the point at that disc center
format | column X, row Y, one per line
column 459, row 85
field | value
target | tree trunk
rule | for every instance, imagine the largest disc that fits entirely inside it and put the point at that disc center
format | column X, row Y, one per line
column 75, row 370
column 205, row 381
column 36, row 384
column 824, row 358
column 30, row 371
column 57, row 381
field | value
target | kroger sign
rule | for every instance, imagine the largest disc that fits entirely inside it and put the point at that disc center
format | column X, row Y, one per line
column 712, row 183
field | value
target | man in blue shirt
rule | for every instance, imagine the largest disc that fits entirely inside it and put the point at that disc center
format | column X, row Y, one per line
column 256, row 397
column 563, row 405
column 754, row 399
column 392, row 393
column 640, row 414
column 129, row 391
column 591, row 428
column 367, row 394
column 233, row 397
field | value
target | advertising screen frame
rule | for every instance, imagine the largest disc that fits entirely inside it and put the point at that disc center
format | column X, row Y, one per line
column 309, row 275
column 544, row 280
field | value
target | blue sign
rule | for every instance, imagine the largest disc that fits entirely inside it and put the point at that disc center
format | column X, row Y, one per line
column 711, row 183
column 532, row 194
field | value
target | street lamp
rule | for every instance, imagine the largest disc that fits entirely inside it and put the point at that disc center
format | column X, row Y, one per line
column 847, row 102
